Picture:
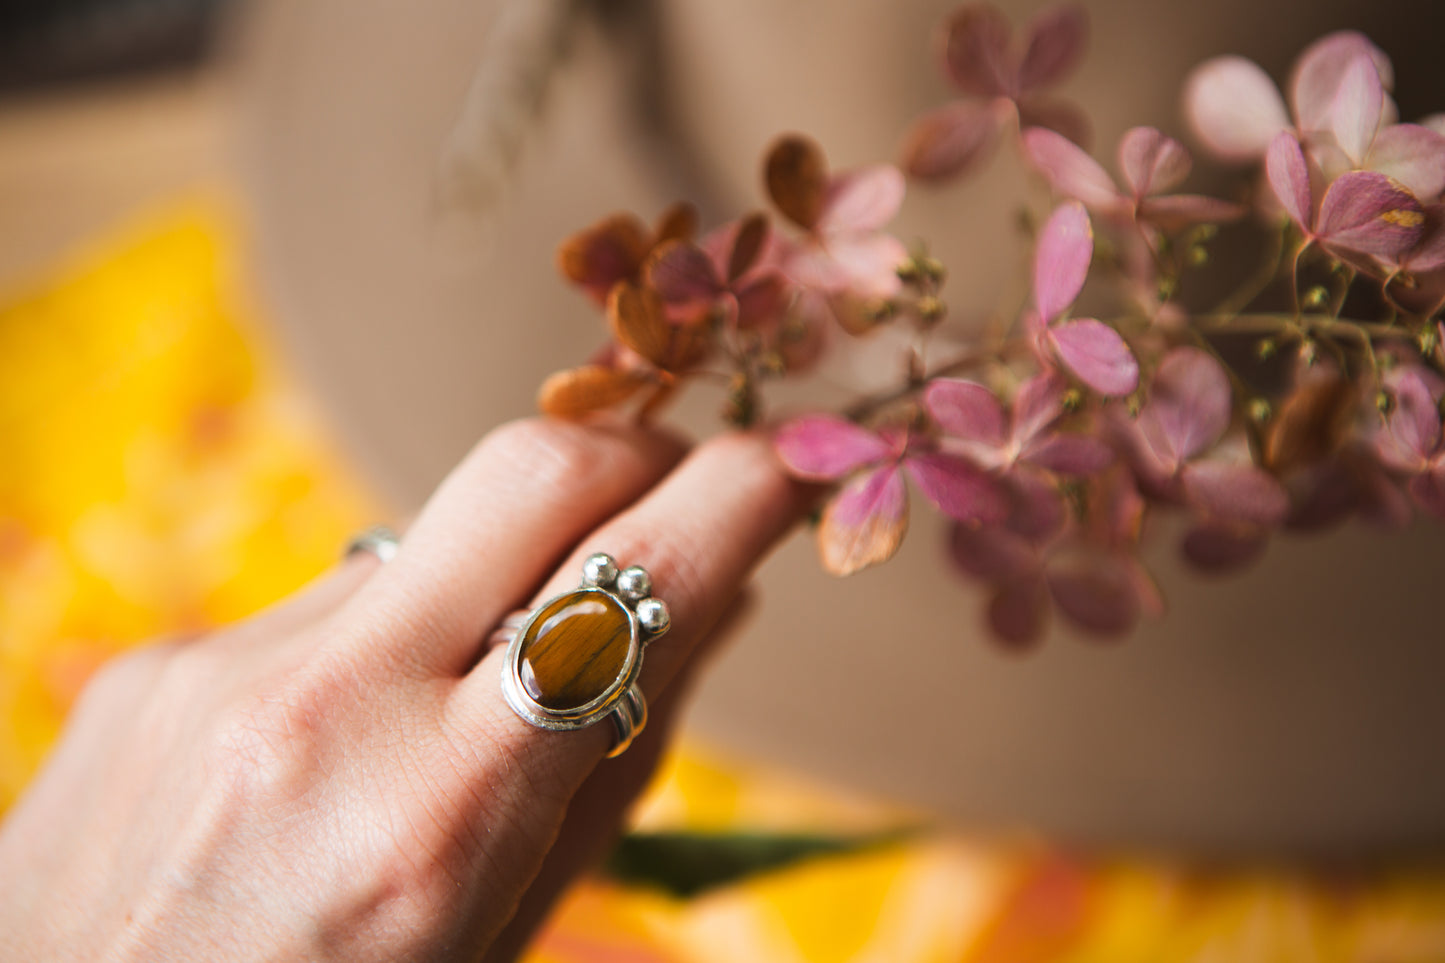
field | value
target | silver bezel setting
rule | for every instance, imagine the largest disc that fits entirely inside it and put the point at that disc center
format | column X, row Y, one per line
column 621, row 696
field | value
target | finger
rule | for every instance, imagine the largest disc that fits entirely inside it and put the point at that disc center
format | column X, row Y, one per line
column 497, row 526
column 699, row 533
column 596, row 814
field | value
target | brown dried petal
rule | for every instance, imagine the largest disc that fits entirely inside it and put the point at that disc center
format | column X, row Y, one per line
column 639, row 321
column 1311, row 425
column 581, row 391
column 677, row 223
column 747, row 245
column 605, row 253
column 797, row 179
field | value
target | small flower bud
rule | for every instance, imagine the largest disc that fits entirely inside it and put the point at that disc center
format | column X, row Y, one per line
column 1259, row 410
column 909, row 271
column 1308, row 354
column 1073, row 400
column 1205, row 232
column 880, row 311
column 1316, row 297
column 741, row 408
column 1198, row 256
column 772, row 363
column 933, row 269
column 1168, row 287
column 1384, row 403
column 1429, row 340
column 1266, row 348
column 930, row 309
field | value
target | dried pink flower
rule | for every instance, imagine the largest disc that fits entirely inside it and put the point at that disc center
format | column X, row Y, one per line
column 1005, row 84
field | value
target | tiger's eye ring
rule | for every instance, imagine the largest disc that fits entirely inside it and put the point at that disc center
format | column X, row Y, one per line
column 574, row 660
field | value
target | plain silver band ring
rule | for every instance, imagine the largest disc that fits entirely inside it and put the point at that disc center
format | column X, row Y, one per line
column 377, row 540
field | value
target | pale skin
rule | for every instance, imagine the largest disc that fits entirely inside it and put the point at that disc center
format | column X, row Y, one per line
column 339, row 778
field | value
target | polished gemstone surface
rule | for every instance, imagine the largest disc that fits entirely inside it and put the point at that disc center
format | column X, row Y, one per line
column 575, row 649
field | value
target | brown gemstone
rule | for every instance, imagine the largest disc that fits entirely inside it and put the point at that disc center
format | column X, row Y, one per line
column 575, row 649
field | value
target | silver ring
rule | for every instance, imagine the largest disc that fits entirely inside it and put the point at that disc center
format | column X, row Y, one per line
column 574, row 660
column 377, row 540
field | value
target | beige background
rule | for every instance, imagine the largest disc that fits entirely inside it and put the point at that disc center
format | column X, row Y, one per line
column 1297, row 708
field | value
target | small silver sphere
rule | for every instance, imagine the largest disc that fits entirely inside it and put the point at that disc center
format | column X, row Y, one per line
column 652, row 614
column 599, row 570
column 634, row 583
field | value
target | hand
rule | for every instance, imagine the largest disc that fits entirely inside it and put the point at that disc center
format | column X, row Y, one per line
column 338, row 777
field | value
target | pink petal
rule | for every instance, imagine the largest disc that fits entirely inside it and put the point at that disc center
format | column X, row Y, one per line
column 951, row 140
column 681, row 271
column 1413, row 155
column 869, row 263
column 1235, row 492
column 1289, row 175
column 1151, row 162
column 1367, row 213
column 1415, row 421
column 865, row 522
column 1355, row 110
column 1098, row 597
column 976, row 51
column 1070, row 171
column 1189, row 405
column 1175, row 212
column 992, row 554
column 1234, row 108
column 1097, row 356
column 1317, row 75
column 967, row 411
column 763, row 301
column 1435, row 122
column 1060, row 116
column 1056, row 41
column 1219, row 549
column 1037, row 404
column 1036, row 507
column 1018, row 612
column 1428, row 254
column 826, row 447
column 1061, row 260
column 959, row 488
column 1070, row 454
column 862, row 200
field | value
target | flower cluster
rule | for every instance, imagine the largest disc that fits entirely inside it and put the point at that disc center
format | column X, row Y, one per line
column 1245, row 407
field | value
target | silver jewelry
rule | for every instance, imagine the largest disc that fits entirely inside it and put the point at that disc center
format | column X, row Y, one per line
column 377, row 540
column 574, row 660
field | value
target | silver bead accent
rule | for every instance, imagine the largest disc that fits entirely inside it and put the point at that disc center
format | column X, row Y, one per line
column 599, row 570
column 653, row 616
column 634, row 583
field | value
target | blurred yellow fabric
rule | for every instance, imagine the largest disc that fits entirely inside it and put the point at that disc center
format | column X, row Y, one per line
column 160, row 473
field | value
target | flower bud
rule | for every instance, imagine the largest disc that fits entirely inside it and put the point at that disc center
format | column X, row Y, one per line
column 930, row 310
column 933, row 269
column 1308, row 354
column 1384, row 404
column 1266, row 348
column 1429, row 340
column 1316, row 297
column 1073, row 400
column 1168, row 287
column 909, row 271
column 1198, row 256
column 1259, row 410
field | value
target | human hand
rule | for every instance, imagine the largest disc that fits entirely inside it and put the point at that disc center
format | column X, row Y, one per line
column 339, row 777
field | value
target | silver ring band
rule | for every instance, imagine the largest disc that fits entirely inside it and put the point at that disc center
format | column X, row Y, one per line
column 377, row 540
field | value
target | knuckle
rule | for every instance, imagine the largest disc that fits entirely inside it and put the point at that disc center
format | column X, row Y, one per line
column 553, row 456
column 125, row 676
column 270, row 745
